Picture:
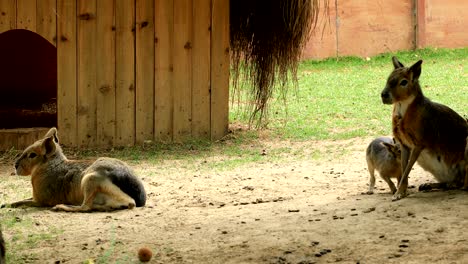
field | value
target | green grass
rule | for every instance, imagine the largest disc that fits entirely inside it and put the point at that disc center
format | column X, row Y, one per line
column 24, row 235
column 340, row 98
column 336, row 99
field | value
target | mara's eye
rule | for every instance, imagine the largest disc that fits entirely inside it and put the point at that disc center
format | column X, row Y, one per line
column 32, row 155
column 403, row 83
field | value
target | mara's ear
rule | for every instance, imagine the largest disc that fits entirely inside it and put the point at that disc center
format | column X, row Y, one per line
column 49, row 146
column 52, row 133
column 396, row 63
column 415, row 70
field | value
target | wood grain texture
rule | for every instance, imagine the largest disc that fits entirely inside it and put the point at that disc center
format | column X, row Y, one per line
column 7, row 15
column 105, row 79
column 66, row 72
column 182, row 70
column 46, row 15
column 163, row 75
column 87, row 68
column 144, row 70
column 125, row 73
column 219, row 69
column 26, row 14
column 201, row 62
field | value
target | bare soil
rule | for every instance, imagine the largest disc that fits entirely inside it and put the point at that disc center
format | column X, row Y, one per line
column 291, row 210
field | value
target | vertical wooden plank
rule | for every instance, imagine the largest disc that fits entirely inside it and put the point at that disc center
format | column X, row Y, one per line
column 26, row 14
column 201, row 60
column 125, row 73
column 87, row 68
column 105, row 75
column 420, row 23
column 46, row 20
column 66, row 72
column 182, row 70
column 7, row 15
column 163, row 75
column 144, row 70
column 219, row 68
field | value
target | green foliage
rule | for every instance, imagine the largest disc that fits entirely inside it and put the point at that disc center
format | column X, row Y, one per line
column 340, row 98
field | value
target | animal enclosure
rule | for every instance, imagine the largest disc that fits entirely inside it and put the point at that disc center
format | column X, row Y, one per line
column 132, row 71
column 366, row 28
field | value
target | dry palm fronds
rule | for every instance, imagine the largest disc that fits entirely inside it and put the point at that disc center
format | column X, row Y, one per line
column 267, row 38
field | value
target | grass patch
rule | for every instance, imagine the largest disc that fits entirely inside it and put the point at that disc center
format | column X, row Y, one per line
column 22, row 233
column 340, row 98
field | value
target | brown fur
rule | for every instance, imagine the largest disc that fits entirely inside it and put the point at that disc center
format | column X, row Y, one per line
column 76, row 185
column 465, row 185
column 430, row 133
column 2, row 249
column 383, row 155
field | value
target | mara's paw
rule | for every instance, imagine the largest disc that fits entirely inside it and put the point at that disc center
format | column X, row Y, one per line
column 129, row 206
column 60, row 207
column 398, row 196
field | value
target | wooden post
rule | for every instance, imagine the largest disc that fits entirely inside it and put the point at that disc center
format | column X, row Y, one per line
column 125, row 73
column 219, row 68
column 163, row 93
column 66, row 71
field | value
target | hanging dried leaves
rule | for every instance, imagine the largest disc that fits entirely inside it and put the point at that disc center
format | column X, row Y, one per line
column 267, row 38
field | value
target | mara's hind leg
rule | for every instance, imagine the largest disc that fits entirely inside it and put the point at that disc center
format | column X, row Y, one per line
column 370, row 167
column 100, row 194
column 90, row 185
column 111, row 197
column 387, row 179
column 465, row 183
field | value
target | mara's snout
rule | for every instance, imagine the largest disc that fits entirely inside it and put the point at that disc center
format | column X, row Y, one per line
column 386, row 97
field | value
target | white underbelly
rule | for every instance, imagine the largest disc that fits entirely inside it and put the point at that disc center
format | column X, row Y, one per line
column 442, row 172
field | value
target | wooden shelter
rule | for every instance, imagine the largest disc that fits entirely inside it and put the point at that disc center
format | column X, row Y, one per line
column 129, row 71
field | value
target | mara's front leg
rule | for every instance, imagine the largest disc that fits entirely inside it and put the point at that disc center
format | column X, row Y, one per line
column 406, row 165
column 27, row 203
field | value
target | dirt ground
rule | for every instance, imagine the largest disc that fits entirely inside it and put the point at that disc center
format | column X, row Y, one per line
column 284, row 211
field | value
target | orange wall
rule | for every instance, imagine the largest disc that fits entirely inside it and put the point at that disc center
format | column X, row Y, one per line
column 366, row 28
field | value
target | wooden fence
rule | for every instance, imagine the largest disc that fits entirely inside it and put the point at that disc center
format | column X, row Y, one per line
column 366, row 28
column 134, row 70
